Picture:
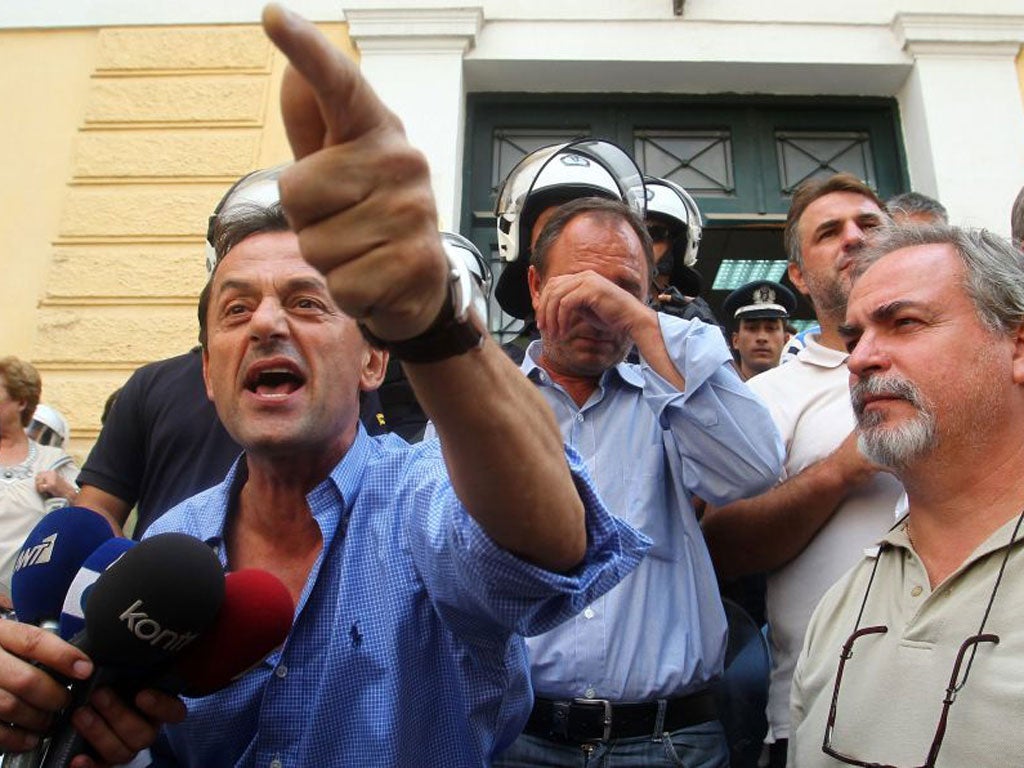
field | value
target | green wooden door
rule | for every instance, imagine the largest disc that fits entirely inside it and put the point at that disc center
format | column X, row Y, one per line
column 739, row 157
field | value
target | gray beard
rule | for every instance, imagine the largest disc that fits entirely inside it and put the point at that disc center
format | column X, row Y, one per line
column 893, row 447
column 897, row 447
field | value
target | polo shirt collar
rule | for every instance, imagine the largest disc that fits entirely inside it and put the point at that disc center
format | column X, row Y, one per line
column 1000, row 538
column 814, row 353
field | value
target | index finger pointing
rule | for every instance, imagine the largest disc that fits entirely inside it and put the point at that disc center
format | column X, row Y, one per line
column 348, row 105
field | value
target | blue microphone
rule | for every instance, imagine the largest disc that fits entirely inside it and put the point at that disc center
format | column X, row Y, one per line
column 49, row 559
column 47, row 563
column 72, row 617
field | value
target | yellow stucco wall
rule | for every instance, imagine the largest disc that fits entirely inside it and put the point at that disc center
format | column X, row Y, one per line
column 118, row 143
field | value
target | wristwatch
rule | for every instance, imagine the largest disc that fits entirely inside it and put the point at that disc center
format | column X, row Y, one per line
column 453, row 331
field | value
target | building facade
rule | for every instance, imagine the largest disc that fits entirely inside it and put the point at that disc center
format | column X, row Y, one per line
column 127, row 122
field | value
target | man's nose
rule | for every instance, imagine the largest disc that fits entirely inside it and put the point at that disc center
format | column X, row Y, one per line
column 867, row 357
column 268, row 319
column 852, row 235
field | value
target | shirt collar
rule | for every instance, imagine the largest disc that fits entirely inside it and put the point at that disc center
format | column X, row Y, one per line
column 344, row 482
column 626, row 372
column 897, row 537
column 815, row 353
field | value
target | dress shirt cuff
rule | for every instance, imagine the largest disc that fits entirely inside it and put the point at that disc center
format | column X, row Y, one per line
column 699, row 353
column 529, row 600
column 697, row 349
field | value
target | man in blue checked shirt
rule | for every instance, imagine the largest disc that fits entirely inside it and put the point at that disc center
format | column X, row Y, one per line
column 414, row 570
column 628, row 682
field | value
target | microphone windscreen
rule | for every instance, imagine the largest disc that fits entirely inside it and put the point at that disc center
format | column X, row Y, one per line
column 72, row 617
column 151, row 604
column 49, row 559
column 253, row 620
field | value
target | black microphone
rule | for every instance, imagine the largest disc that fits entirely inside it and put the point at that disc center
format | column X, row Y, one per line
column 146, row 609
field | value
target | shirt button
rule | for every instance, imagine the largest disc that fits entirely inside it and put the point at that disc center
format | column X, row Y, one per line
column 276, row 763
column 579, row 417
column 589, row 613
column 282, row 672
column 916, row 591
column 589, row 693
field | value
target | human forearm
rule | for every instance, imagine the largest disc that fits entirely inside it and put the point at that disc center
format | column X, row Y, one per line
column 646, row 333
column 114, row 509
column 372, row 232
column 726, row 437
column 764, row 532
column 504, row 454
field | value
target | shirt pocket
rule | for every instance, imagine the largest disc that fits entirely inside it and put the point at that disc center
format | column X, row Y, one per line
column 647, row 491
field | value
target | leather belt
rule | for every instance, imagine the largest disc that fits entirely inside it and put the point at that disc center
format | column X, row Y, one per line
column 581, row 721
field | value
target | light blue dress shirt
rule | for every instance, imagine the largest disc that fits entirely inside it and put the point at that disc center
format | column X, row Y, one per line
column 650, row 448
column 404, row 648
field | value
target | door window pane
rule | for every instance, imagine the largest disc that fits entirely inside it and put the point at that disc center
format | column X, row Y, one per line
column 804, row 155
column 699, row 161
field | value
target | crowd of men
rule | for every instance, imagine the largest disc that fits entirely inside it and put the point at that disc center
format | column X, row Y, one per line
column 539, row 582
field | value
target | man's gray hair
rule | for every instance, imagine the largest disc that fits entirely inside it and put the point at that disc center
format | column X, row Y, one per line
column 993, row 268
column 910, row 203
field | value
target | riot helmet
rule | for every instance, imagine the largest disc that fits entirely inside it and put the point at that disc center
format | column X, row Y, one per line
column 551, row 176
column 47, row 426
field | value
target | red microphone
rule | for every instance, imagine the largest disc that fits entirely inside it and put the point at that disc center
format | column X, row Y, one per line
column 253, row 621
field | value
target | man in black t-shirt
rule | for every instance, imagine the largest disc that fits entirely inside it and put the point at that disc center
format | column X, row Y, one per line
column 162, row 442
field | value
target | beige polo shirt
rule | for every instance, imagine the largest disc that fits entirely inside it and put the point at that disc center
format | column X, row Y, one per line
column 894, row 684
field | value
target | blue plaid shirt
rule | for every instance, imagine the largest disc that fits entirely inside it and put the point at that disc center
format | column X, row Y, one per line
column 406, row 646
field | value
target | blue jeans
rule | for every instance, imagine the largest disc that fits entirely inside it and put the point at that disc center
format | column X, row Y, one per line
column 699, row 746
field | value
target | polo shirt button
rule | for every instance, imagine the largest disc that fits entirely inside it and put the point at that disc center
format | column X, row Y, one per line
column 916, row 591
column 281, row 671
column 276, row 763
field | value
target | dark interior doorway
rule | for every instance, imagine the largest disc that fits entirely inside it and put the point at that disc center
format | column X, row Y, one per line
column 735, row 254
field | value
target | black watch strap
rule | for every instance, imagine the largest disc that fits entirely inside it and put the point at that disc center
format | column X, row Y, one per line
column 444, row 338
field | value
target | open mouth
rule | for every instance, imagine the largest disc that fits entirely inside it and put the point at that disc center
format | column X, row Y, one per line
column 275, row 381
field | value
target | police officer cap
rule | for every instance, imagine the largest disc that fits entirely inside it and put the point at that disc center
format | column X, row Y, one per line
column 757, row 300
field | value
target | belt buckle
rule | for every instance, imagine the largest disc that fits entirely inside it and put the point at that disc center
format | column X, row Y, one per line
column 606, row 720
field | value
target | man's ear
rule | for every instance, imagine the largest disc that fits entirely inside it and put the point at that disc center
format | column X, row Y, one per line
column 796, row 277
column 375, row 364
column 1018, row 355
column 735, row 338
column 534, row 281
column 206, row 373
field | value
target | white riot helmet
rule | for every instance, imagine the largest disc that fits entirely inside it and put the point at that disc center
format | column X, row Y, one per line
column 258, row 188
column 547, row 177
column 669, row 200
column 47, row 426
column 462, row 248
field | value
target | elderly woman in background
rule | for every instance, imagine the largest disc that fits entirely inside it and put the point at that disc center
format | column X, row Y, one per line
column 31, row 475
